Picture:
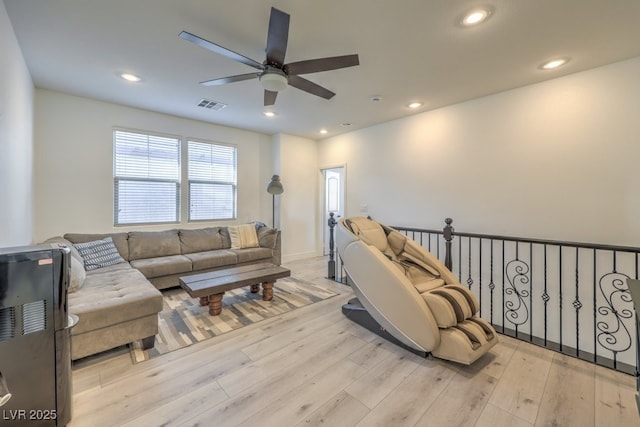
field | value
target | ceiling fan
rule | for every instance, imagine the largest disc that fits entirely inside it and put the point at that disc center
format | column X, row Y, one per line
column 274, row 74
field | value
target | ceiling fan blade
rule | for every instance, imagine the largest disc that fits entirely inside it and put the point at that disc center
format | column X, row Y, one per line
column 220, row 50
column 321, row 64
column 269, row 97
column 230, row 79
column 310, row 87
column 277, row 37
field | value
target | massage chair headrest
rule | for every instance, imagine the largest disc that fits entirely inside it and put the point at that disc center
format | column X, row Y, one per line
column 375, row 234
column 369, row 232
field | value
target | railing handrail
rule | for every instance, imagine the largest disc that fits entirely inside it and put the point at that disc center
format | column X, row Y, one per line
column 569, row 244
column 417, row 230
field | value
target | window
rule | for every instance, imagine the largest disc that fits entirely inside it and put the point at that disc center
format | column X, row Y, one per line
column 212, row 181
column 146, row 178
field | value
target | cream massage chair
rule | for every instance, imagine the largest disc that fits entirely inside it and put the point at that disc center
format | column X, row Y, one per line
column 408, row 296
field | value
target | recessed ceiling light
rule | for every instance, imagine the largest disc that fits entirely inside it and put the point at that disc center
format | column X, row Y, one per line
column 475, row 17
column 415, row 105
column 269, row 114
column 130, row 77
column 345, row 124
column 324, row 131
column 554, row 63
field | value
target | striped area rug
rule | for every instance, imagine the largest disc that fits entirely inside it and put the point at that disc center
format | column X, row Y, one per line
column 183, row 321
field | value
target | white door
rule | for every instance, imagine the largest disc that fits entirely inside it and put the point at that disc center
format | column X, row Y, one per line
column 333, row 199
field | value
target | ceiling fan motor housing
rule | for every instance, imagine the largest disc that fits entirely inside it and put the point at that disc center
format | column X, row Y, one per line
column 274, row 80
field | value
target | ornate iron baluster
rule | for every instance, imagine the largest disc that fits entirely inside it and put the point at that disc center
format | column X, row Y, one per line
column 492, row 285
column 577, row 305
column 448, row 236
column 331, row 267
column 517, row 310
column 469, row 278
column 545, row 296
column 613, row 333
column 531, row 293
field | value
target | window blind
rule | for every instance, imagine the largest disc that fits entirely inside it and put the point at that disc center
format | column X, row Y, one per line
column 212, row 174
column 146, row 178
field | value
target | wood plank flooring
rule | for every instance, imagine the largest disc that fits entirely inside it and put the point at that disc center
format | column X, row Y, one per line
column 313, row 367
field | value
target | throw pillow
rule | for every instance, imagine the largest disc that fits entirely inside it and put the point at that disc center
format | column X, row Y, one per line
column 77, row 276
column 243, row 236
column 99, row 253
column 267, row 237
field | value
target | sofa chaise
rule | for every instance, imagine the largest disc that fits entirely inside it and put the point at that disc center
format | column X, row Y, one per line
column 118, row 303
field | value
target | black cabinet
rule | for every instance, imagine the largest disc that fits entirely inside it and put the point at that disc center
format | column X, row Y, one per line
column 35, row 359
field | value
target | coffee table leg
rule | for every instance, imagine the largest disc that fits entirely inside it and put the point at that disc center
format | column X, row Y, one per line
column 267, row 291
column 204, row 301
column 215, row 304
column 255, row 288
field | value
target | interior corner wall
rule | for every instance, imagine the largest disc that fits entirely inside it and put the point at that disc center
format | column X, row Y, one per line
column 298, row 205
column 16, row 140
column 556, row 160
column 74, row 163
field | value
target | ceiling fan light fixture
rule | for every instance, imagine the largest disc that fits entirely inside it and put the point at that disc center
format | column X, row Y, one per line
column 274, row 81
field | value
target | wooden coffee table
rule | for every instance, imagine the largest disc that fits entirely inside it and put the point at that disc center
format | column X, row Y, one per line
column 210, row 287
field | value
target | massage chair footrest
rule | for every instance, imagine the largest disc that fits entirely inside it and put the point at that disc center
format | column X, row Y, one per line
column 356, row 312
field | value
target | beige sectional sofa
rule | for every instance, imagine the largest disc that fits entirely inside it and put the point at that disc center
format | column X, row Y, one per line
column 118, row 304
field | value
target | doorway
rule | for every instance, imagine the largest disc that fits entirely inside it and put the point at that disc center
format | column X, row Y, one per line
column 334, row 191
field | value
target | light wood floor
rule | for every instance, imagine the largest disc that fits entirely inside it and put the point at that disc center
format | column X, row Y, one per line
column 312, row 366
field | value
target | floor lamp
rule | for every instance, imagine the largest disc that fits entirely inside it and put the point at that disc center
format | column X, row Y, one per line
column 274, row 187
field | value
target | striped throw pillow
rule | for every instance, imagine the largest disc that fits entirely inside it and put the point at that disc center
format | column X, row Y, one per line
column 243, row 236
column 99, row 253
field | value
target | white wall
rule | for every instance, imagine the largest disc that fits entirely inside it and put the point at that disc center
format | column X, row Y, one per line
column 298, row 205
column 16, row 140
column 556, row 160
column 74, row 162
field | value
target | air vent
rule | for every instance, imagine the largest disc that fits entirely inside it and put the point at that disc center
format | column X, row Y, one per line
column 7, row 323
column 212, row 105
column 34, row 317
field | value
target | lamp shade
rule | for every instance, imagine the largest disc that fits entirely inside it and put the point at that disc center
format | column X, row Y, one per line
column 275, row 186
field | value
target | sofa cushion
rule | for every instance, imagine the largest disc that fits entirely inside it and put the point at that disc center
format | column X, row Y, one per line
column 99, row 253
column 111, row 296
column 204, row 239
column 119, row 239
column 243, row 236
column 252, row 254
column 212, row 259
column 162, row 266
column 152, row 244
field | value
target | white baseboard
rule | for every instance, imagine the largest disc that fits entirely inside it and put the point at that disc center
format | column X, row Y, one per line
column 303, row 255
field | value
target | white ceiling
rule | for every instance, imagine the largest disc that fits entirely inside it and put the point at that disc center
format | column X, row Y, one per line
column 409, row 50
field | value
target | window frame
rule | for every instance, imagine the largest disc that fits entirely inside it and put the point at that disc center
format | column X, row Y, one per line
column 117, row 179
column 233, row 184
